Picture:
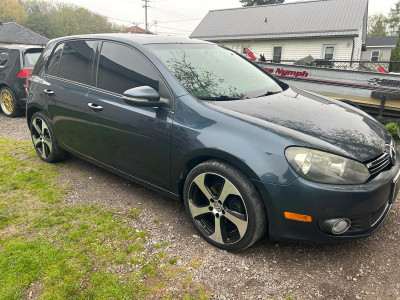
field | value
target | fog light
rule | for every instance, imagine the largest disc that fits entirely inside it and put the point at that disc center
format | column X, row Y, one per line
column 336, row 226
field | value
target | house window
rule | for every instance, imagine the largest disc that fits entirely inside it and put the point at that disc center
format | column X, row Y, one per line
column 375, row 55
column 329, row 52
column 277, row 54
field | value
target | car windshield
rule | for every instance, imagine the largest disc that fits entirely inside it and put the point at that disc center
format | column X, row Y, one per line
column 31, row 57
column 211, row 72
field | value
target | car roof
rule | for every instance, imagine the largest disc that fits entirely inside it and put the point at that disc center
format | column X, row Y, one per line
column 141, row 39
column 20, row 46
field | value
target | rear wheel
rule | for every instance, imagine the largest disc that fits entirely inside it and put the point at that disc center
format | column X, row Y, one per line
column 9, row 103
column 224, row 206
column 44, row 140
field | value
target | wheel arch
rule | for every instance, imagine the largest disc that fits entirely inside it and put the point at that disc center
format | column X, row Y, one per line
column 31, row 110
column 213, row 154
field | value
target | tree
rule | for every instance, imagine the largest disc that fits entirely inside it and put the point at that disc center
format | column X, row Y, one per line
column 260, row 2
column 12, row 11
column 377, row 25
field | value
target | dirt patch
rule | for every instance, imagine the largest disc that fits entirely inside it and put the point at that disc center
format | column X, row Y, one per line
column 361, row 269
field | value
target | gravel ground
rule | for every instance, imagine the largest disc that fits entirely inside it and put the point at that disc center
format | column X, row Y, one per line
column 362, row 269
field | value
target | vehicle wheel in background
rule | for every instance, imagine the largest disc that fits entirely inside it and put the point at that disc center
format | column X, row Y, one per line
column 8, row 103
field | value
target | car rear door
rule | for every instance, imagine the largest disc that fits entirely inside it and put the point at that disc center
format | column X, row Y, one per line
column 135, row 140
column 68, row 76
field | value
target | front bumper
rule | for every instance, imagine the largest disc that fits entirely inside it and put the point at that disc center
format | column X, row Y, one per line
column 365, row 205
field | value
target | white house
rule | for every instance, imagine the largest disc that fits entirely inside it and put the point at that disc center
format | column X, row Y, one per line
column 379, row 47
column 325, row 29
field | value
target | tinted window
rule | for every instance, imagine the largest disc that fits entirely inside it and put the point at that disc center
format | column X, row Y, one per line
column 122, row 68
column 54, row 62
column 76, row 61
column 31, row 57
column 3, row 57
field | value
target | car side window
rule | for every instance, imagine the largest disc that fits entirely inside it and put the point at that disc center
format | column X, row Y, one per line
column 122, row 68
column 76, row 61
column 54, row 61
column 3, row 57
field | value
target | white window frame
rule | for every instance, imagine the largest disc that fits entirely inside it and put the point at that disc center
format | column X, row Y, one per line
column 377, row 57
column 273, row 48
column 328, row 46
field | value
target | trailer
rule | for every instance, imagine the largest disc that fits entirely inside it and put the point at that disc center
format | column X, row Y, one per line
column 375, row 93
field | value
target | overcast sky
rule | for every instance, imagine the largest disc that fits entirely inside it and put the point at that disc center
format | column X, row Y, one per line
column 177, row 16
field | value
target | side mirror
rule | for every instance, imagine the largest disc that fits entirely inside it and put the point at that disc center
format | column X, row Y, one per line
column 142, row 96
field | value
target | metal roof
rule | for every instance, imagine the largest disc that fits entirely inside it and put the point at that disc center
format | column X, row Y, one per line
column 310, row 19
column 381, row 41
column 14, row 33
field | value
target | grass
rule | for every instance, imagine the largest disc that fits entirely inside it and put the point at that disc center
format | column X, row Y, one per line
column 54, row 250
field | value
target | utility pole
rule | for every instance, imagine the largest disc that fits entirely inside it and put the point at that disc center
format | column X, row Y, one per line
column 145, row 15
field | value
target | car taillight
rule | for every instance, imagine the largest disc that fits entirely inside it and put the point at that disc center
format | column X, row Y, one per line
column 24, row 73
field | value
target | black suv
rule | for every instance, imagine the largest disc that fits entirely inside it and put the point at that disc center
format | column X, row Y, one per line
column 16, row 64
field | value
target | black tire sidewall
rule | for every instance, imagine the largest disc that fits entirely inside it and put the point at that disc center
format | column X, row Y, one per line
column 257, row 223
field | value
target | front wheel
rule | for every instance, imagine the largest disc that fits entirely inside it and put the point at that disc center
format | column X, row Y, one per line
column 44, row 140
column 224, row 206
column 8, row 103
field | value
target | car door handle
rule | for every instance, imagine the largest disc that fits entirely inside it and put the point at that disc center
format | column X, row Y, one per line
column 95, row 107
column 49, row 92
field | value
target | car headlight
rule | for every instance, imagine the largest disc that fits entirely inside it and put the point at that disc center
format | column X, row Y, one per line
column 323, row 167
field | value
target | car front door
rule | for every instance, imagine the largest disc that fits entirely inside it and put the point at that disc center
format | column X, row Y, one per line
column 68, row 75
column 132, row 139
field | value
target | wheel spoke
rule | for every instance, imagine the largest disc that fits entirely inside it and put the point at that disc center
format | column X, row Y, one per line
column 36, row 126
column 197, row 211
column 240, row 224
column 49, row 144
column 36, row 141
column 43, row 150
column 217, row 235
column 228, row 189
column 199, row 180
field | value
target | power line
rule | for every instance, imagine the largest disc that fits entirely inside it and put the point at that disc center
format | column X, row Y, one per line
column 181, row 20
column 182, row 30
column 169, row 12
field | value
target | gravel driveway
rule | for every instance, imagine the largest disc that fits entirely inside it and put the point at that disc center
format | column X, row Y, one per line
column 362, row 269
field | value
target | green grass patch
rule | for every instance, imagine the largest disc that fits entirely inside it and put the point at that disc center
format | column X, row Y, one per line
column 73, row 251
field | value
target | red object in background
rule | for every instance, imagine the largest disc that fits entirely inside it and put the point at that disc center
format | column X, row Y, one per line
column 250, row 54
column 24, row 73
column 381, row 70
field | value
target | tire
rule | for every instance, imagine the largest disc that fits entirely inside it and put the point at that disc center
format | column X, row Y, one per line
column 8, row 103
column 44, row 140
column 216, row 193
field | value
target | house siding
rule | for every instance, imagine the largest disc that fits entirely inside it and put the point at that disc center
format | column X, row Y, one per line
column 296, row 49
column 385, row 53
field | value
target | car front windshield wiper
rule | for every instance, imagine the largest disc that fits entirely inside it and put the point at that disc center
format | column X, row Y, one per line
column 267, row 94
column 221, row 98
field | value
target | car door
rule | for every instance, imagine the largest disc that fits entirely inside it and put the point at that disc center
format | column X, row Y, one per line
column 68, row 75
column 132, row 139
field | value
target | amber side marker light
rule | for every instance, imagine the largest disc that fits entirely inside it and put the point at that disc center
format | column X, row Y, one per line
column 297, row 217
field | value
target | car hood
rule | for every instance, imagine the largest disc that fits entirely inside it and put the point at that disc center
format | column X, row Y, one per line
column 313, row 121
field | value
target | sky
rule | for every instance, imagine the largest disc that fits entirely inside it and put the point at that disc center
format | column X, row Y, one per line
column 178, row 17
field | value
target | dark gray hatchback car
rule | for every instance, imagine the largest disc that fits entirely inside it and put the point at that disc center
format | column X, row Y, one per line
column 245, row 152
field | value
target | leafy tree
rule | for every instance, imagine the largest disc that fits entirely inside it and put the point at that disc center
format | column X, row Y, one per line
column 12, row 11
column 260, row 2
column 377, row 25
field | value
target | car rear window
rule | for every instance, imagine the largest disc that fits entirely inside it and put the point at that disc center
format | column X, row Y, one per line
column 31, row 57
column 3, row 57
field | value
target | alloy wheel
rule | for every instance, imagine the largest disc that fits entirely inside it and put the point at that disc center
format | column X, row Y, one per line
column 7, row 104
column 218, row 209
column 41, row 138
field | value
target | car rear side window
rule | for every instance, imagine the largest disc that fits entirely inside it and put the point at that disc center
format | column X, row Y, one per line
column 76, row 61
column 3, row 57
column 54, row 62
column 122, row 68
column 31, row 57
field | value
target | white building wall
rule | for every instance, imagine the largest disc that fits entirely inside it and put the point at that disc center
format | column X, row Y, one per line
column 385, row 53
column 358, row 45
column 296, row 49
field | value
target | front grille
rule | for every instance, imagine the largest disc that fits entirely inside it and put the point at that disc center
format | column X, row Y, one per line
column 379, row 164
